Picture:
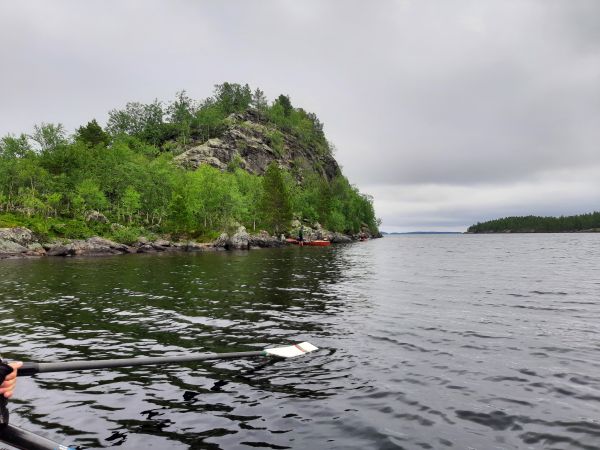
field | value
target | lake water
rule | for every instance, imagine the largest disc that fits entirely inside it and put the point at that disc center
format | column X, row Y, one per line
column 427, row 341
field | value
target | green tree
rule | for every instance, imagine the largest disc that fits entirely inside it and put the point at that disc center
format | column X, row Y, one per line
column 259, row 100
column 156, row 186
column 92, row 134
column 285, row 103
column 130, row 202
column 30, row 202
column 15, row 167
column 209, row 121
column 251, row 189
column 181, row 114
column 14, row 147
column 233, row 97
column 3, row 201
column 130, row 120
column 275, row 201
column 92, row 195
column 144, row 121
column 49, row 136
column 118, row 167
column 53, row 201
column 216, row 197
column 74, row 159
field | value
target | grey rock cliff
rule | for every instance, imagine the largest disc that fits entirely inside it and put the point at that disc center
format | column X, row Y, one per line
column 248, row 142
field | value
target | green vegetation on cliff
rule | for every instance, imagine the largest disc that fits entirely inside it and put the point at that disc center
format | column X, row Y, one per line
column 50, row 181
column 536, row 224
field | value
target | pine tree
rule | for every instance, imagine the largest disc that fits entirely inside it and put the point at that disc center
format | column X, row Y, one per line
column 92, row 134
column 286, row 104
column 259, row 100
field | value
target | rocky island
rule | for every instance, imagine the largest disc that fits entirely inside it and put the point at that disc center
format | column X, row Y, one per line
column 233, row 171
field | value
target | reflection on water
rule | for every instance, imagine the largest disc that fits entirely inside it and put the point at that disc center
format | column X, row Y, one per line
column 427, row 342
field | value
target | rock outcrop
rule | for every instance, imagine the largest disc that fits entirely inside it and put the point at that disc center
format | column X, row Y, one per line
column 94, row 246
column 242, row 240
column 21, row 242
column 315, row 231
column 143, row 245
column 264, row 240
column 339, row 238
column 15, row 242
column 95, row 216
column 250, row 143
column 222, row 241
column 239, row 240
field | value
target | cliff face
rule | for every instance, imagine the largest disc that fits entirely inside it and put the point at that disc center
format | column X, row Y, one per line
column 252, row 144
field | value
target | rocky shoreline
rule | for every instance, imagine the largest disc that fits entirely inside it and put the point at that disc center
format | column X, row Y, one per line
column 21, row 242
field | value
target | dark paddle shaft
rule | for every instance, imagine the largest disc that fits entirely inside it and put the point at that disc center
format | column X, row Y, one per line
column 32, row 368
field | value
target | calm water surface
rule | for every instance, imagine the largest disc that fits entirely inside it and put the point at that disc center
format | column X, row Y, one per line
column 459, row 341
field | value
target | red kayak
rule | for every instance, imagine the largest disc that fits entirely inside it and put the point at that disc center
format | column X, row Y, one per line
column 318, row 243
column 315, row 243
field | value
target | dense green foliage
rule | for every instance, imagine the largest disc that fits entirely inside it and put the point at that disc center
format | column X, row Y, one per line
column 275, row 200
column 50, row 181
column 535, row 224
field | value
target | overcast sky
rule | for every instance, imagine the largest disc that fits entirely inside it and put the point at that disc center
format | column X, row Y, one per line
column 447, row 112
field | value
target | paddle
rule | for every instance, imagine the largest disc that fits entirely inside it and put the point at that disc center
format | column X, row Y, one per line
column 23, row 439
column 32, row 368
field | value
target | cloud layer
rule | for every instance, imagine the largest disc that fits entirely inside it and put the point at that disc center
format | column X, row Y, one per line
column 448, row 112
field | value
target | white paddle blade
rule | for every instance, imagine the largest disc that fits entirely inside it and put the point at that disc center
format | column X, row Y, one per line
column 292, row 350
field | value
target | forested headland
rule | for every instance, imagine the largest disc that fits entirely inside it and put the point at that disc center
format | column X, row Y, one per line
column 187, row 169
column 535, row 224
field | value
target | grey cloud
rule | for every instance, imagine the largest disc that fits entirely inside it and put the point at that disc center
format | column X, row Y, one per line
column 412, row 93
column 441, row 206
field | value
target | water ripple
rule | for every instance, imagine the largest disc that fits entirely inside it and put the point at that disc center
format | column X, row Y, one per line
column 426, row 342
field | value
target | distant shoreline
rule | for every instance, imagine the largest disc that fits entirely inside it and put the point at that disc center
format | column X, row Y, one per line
column 582, row 223
column 421, row 232
column 592, row 231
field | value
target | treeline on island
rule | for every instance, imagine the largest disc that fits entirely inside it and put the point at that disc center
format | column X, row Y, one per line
column 536, row 224
column 50, row 181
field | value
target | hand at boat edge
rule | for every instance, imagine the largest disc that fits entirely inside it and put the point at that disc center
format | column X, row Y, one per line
column 10, row 381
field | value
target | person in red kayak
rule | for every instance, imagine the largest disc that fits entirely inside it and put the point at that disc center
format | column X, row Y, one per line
column 301, row 235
